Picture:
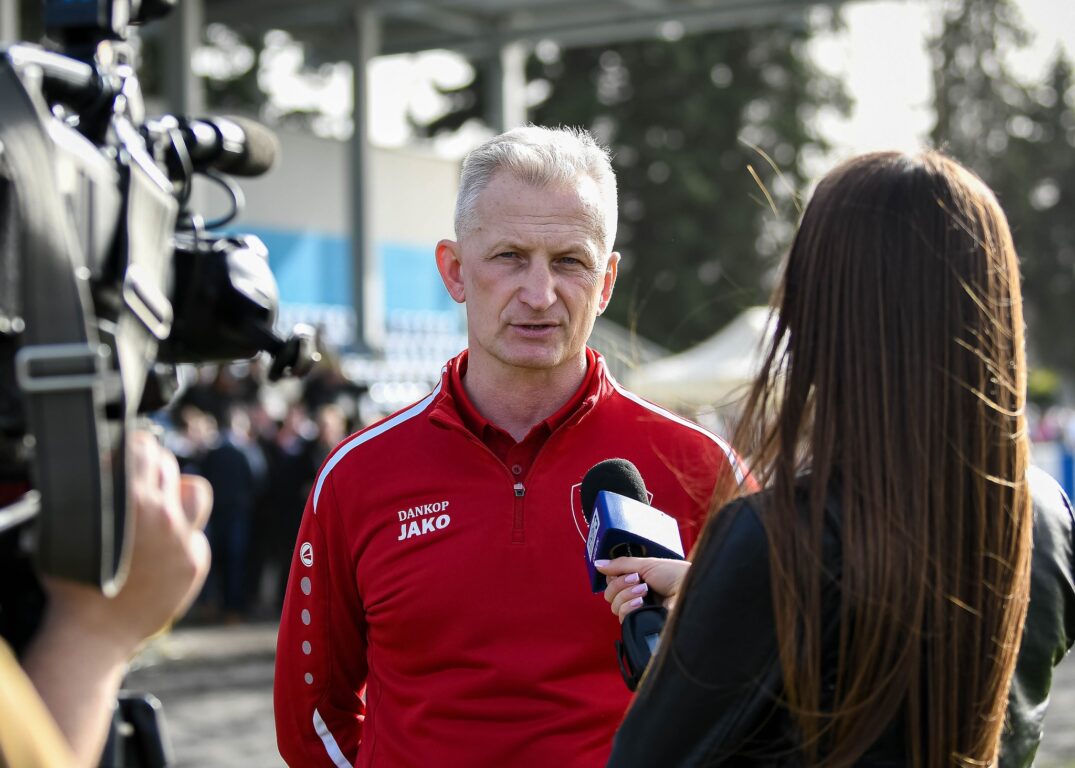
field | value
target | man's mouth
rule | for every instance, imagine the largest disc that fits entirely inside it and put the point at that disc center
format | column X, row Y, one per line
column 534, row 327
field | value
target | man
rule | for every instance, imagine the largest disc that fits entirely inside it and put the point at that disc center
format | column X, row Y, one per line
column 236, row 468
column 438, row 612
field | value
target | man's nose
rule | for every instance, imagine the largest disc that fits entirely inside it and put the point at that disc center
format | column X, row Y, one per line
column 538, row 290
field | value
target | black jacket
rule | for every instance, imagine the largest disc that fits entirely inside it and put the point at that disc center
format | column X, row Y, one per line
column 1050, row 623
column 713, row 701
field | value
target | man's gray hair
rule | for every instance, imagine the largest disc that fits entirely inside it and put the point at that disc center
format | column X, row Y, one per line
column 542, row 157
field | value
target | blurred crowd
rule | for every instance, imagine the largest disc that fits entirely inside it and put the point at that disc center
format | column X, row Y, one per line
column 260, row 447
column 1052, row 424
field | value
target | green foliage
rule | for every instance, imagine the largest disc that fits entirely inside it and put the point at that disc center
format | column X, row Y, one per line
column 1043, row 387
column 1019, row 137
column 704, row 217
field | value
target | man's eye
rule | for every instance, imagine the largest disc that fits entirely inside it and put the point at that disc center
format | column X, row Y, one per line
column 507, row 255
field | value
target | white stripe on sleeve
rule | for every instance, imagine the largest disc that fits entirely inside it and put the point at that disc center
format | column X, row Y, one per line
column 368, row 435
column 333, row 749
column 733, row 459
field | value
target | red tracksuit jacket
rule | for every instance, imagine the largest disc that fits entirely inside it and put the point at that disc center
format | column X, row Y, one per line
column 438, row 611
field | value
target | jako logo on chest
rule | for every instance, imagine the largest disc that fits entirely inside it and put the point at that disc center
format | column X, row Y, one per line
column 422, row 519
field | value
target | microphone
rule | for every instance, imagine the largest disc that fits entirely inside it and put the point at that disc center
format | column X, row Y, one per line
column 233, row 145
column 623, row 524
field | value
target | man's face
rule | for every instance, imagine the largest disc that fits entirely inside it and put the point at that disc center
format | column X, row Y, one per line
column 532, row 272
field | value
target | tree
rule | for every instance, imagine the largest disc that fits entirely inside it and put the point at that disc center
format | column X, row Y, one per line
column 698, row 128
column 1019, row 138
column 1037, row 188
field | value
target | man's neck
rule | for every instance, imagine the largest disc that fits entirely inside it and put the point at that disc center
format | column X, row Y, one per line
column 517, row 399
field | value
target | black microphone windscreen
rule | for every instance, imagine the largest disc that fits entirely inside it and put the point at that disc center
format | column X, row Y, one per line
column 260, row 149
column 615, row 475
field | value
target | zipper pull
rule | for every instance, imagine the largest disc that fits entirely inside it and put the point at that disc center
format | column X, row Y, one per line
column 519, row 490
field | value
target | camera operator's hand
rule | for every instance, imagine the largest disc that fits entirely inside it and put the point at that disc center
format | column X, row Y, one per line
column 79, row 656
column 631, row 578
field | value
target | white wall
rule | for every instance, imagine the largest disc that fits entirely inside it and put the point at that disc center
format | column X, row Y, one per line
column 413, row 192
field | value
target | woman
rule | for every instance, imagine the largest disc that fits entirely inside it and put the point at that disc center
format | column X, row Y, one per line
column 866, row 607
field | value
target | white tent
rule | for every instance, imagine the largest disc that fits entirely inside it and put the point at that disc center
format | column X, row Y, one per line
column 712, row 374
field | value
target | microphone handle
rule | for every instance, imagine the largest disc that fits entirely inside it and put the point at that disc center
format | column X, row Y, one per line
column 627, row 549
column 631, row 549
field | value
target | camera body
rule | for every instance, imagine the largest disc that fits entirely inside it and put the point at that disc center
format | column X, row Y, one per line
column 107, row 282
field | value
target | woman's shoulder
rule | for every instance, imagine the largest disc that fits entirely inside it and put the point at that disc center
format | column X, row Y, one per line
column 735, row 538
column 1051, row 504
column 748, row 513
column 740, row 529
column 742, row 516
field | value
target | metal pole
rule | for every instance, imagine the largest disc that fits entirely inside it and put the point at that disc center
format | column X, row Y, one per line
column 9, row 21
column 180, row 35
column 368, row 278
column 507, row 87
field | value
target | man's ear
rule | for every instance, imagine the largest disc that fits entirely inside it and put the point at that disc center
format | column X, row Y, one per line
column 609, row 281
column 450, row 266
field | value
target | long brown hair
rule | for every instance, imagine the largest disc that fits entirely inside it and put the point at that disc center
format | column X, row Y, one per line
column 896, row 380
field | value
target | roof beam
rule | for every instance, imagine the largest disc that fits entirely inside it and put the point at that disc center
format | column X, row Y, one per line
column 432, row 14
column 479, row 28
column 587, row 27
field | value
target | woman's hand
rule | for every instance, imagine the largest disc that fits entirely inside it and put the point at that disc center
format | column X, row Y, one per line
column 631, row 578
column 169, row 557
column 78, row 658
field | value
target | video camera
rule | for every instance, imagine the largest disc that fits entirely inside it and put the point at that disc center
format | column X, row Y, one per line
column 107, row 281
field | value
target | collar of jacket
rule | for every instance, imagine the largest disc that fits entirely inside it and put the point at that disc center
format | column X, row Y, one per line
column 445, row 411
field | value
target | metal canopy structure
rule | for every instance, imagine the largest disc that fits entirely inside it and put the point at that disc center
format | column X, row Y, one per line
column 497, row 32
column 479, row 28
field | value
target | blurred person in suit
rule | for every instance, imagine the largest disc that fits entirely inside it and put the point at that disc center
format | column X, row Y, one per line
column 236, row 468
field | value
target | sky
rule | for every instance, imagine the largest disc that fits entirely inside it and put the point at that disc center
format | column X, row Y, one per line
column 881, row 54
